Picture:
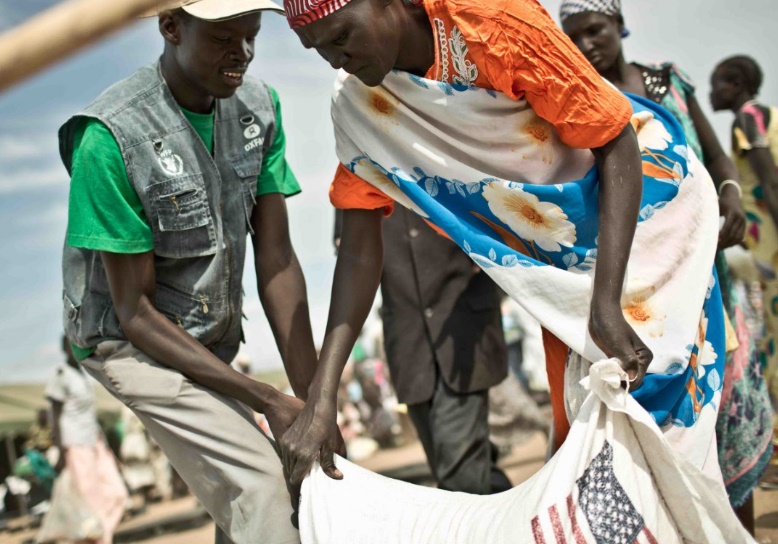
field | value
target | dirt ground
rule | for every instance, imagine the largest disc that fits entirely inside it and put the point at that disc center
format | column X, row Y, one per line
column 521, row 464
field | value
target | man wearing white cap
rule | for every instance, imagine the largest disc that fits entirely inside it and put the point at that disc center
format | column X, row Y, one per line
column 171, row 170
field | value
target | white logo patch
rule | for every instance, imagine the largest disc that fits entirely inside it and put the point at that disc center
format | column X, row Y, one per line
column 170, row 162
column 256, row 142
column 252, row 131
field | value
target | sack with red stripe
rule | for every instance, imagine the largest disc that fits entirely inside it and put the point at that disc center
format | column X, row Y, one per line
column 616, row 480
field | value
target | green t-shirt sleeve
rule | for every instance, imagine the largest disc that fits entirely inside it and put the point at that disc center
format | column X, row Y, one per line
column 104, row 211
column 276, row 176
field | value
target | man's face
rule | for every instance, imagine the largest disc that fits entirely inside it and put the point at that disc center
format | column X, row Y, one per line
column 363, row 38
column 214, row 56
column 598, row 37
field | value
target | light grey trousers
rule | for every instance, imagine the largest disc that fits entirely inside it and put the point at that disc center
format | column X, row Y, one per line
column 210, row 439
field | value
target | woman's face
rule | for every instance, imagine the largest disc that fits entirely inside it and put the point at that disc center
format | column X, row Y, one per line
column 598, row 37
column 363, row 38
column 723, row 90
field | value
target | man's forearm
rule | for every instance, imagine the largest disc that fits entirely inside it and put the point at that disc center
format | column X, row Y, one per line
column 281, row 287
column 170, row 345
column 621, row 187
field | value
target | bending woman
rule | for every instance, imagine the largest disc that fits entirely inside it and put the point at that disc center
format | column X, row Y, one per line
column 743, row 426
column 584, row 205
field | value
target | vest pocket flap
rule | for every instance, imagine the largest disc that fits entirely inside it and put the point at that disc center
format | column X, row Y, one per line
column 180, row 204
column 247, row 169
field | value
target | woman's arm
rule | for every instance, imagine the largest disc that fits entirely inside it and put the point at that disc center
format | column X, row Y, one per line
column 357, row 274
column 621, row 189
column 721, row 168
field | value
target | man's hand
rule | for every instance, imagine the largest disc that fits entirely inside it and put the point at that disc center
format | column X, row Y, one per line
column 281, row 413
column 614, row 336
column 734, row 229
column 314, row 432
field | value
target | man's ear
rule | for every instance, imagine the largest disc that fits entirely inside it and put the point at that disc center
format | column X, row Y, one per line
column 170, row 27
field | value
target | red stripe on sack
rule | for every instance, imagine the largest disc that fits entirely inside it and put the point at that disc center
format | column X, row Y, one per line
column 537, row 531
column 577, row 533
column 556, row 522
column 649, row 536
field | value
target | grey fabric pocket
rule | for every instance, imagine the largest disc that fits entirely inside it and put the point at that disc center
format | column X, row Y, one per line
column 138, row 382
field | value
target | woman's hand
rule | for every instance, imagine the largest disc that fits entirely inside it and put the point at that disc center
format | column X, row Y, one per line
column 616, row 338
column 734, row 229
column 314, row 433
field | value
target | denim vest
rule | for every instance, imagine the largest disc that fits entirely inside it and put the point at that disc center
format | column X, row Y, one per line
column 199, row 207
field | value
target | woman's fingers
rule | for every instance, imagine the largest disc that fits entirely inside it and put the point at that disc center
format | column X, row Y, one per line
column 733, row 231
column 728, row 235
column 327, row 461
column 643, row 357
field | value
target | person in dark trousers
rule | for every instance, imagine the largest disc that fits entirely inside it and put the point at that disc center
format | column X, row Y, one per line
column 445, row 348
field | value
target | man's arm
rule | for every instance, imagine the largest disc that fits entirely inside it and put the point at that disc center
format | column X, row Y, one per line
column 281, row 287
column 621, row 190
column 132, row 282
column 357, row 274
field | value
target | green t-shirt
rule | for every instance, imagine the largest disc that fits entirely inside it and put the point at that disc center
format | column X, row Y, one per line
column 104, row 211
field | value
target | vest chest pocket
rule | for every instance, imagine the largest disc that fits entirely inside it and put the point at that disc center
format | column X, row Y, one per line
column 183, row 224
column 248, row 172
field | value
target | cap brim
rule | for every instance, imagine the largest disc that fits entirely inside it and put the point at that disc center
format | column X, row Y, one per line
column 164, row 6
column 219, row 10
column 216, row 10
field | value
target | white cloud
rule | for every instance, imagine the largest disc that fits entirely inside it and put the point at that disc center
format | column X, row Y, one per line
column 55, row 217
column 30, row 178
column 15, row 148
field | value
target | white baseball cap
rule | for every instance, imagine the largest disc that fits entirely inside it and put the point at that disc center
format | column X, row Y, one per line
column 216, row 10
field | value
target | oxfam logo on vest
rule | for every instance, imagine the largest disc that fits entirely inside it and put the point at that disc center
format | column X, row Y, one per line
column 252, row 132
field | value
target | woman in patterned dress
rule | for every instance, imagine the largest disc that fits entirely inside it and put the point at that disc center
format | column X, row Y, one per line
column 743, row 430
column 735, row 85
column 573, row 187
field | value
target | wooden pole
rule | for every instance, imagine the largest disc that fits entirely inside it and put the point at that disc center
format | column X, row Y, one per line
column 61, row 31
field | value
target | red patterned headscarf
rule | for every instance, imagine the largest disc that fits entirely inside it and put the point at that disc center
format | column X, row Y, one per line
column 302, row 12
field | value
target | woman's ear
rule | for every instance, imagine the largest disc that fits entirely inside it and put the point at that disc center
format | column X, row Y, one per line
column 620, row 23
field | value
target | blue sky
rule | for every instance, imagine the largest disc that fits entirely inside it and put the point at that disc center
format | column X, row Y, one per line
column 34, row 185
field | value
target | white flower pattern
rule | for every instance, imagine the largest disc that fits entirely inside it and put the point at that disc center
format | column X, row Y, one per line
column 542, row 223
column 651, row 133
